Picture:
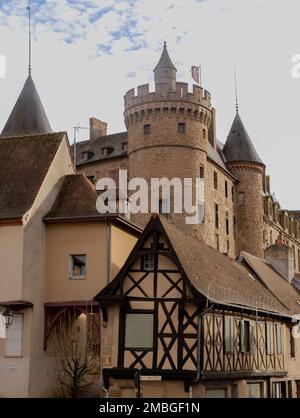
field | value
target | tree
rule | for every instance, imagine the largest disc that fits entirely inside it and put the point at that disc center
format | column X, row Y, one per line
column 77, row 353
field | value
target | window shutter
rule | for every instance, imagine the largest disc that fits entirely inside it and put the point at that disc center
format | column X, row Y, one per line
column 13, row 341
column 139, row 331
column 252, row 337
column 279, row 345
column 228, row 334
column 242, row 337
column 270, row 340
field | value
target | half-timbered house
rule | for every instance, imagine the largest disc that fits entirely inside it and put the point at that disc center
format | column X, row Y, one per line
column 180, row 319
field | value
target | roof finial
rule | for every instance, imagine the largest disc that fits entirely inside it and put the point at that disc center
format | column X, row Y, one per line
column 165, row 45
column 29, row 38
column 236, row 93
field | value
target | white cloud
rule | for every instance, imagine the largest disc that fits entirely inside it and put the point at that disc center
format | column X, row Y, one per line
column 77, row 80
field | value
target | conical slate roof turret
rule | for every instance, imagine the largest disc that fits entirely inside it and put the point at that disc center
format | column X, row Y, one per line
column 28, row 116
column 165, row 71
column 165, row 60
column 239, row 146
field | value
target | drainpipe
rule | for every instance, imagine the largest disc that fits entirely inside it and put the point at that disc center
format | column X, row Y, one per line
column 198, row 376
column 108, row 240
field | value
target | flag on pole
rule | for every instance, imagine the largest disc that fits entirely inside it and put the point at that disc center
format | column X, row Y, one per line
column 196, row 73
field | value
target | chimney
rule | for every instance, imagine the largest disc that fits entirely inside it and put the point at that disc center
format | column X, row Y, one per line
column 212, row 136
column 281, row 257
column 97, row 129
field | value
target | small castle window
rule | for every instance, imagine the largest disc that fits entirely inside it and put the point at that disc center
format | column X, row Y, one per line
column 124, row 146
column 226, row 189
column 201, row 171
column 181, row 128
column 217, row 242
column 227, row 226
column 241, row 199
column 217, row 216
column 215, row 180
column 204, row 133
column 147, row 129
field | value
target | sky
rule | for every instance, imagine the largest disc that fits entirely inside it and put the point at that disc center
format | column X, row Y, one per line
column 88, row 53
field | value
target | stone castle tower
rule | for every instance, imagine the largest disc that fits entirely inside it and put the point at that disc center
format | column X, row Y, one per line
column 246, row 165
column 167, row 130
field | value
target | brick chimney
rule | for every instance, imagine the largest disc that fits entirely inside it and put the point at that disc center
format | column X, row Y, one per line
column 281, row 257
column 97, row 129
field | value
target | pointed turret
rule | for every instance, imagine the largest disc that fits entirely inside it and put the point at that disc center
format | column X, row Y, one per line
column 165, row 71
column 28, row 116
column 239, row 146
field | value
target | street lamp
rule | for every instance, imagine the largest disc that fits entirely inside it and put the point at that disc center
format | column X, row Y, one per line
column 7, row 317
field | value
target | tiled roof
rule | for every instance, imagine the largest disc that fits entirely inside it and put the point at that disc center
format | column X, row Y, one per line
column 113, row 141
column 24, row 163
column 279, row 286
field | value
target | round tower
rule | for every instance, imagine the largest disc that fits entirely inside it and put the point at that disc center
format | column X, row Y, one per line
column 246, row 165
column 167, row 131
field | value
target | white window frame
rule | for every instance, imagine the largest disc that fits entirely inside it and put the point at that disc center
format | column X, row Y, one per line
column 148, row 266
column 9, row 331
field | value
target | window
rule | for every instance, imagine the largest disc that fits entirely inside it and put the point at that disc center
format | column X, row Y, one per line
column 201, row 171
column 279, row 390
column 106, row 150
column 232, row 193
column 215, row 180
column 217, row 216
column 234, row 228
column 13, row 341
column 228, row 247
column 254, row 390
column 139, row 331
column 124, row 146
column 215, row 393
column 91, row 179
column 292, row 343
column 298, row 388
column 227, row 226
column 226, row 189
column 164, row 206
column 228, row 331
column 217, row 242
column 147, row 129
column 77, row 266
column 278, row 332
column 245, row 336
column 181, row 128
column 148, row 262
column 270, row 338
column 201, row 212
column 241, row 199
column 204, row 133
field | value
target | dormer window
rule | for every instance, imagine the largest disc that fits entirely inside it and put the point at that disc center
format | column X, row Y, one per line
column 86, row 155
column 106, row 150
column 124, row 146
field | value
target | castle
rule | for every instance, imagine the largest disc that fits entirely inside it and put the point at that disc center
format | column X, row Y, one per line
column 171, row 132
column 176, row 310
